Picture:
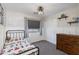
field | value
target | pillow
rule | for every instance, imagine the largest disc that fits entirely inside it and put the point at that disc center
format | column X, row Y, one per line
column 27, row 40
column 8, row 39
column 1, row 51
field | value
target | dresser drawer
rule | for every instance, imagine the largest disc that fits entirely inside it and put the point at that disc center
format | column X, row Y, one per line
column 68, row 43
column 68, row 49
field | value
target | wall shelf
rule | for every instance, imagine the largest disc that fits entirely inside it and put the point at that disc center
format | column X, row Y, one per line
column 71, row 22
column 63, row 16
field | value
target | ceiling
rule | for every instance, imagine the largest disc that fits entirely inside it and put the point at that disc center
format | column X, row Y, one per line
column 30, row 8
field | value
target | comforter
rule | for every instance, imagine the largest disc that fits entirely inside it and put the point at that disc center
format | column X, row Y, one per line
column 19, row 47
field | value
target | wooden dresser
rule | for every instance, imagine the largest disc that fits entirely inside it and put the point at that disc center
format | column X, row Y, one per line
column 68, row 43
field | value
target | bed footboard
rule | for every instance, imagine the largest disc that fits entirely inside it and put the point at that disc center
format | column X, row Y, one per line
column 33, row 51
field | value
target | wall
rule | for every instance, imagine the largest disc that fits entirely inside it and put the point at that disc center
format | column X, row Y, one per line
column 15, row 21
column 54, row 26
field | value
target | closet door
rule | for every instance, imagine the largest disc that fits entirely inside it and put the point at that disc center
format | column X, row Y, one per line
column 2, row 36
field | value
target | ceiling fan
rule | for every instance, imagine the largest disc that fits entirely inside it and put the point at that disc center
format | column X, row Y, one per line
column 40, row 10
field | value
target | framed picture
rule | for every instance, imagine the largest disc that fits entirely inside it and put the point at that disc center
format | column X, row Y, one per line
column 1, row 14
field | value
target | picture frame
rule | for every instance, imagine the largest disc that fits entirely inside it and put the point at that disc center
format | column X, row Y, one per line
column 1, row 14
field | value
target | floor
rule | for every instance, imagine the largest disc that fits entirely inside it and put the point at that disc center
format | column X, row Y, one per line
column 47, row 48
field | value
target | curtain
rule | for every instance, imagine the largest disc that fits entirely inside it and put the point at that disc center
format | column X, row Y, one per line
column 26, row 28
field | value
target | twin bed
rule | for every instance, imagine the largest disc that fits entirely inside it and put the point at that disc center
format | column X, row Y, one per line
column 17, row 44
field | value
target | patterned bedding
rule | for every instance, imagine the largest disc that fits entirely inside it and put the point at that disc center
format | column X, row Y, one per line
column 19, row 47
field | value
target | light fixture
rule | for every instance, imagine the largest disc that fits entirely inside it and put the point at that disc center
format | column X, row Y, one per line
column 40, row 10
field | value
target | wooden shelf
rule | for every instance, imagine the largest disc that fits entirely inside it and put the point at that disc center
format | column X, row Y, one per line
column 73, row 22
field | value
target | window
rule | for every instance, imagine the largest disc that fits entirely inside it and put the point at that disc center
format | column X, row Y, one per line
column 33, row 24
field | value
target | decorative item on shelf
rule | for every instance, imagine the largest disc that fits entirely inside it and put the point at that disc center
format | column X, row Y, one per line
column 75, row 20
column 1, row 14
column 63, row 16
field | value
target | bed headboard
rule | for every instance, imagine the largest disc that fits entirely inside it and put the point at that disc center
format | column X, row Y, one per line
column 15, row 33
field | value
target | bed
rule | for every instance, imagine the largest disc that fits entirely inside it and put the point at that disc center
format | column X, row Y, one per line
column 17, row 44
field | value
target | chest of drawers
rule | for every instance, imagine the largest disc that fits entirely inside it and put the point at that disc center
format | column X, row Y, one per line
column 68, row 43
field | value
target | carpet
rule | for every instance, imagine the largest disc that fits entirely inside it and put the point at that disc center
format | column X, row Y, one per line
column 47, row 48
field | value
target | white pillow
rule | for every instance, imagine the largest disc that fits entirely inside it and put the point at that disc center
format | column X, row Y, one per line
column 27, row 40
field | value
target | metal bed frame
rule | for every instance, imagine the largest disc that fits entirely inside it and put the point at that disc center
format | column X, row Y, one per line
column 15, row 33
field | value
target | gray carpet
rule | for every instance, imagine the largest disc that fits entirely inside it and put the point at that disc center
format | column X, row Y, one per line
column 47, row 48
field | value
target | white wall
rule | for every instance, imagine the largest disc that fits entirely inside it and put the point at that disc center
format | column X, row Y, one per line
column 15, row 21
column 54, row 26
